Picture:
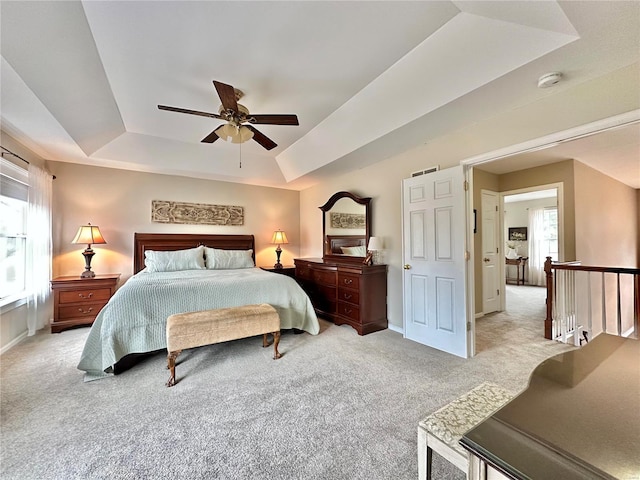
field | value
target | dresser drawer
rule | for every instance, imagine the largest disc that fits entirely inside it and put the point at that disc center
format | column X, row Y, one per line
column 348, row 280
column 351, row 296
column 349, row 311
column 303, row 272
column 93, row 295
column 326, row 292
column 84, row 310
column 324, row 277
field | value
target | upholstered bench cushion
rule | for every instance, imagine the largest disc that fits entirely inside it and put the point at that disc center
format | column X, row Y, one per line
column 449, row 423
column 195, row 329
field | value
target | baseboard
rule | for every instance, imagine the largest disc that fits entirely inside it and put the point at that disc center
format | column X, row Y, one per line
column 627, row 333
column 479, row 314
column 13, row 342
column 399, row 330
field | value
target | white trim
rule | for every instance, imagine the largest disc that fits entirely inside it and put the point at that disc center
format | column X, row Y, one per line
column 469, row 242
column 479, row 315
column 627, row 333
column 399, row 330
column 12, row 302
column 554, row 139
column 13, row 342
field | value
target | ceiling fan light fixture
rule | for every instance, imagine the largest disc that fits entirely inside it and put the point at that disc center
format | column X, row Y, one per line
column 233, row 134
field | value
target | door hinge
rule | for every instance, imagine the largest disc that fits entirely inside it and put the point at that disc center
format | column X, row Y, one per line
column 498, row 292
column 468, row 326
column 465, row 184
column 496, row 208
column 467, row 256
column 497, row 250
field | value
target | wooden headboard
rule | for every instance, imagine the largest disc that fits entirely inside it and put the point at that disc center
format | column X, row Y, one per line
column 336, row 242
column 181, row 241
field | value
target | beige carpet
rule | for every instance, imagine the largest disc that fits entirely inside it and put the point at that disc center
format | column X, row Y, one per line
column 335, row 406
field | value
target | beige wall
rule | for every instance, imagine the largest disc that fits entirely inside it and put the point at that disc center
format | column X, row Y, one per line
column 606, row 219
column 119, row 202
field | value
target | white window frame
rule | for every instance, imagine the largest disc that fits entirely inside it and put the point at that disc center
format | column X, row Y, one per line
column 20, row 175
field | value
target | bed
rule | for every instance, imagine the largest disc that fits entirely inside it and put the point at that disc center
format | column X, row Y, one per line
column 134, row 319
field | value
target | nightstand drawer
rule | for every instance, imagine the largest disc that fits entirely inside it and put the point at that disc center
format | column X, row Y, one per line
column 84, row 310
column 92, row 295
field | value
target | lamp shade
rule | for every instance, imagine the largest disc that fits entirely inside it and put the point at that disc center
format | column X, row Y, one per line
column 228, row 132
column 279, row 238
column 375, row 243
column 89, row 234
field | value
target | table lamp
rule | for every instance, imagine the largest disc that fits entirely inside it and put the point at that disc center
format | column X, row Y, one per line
column 279, row 238
column 375, row 244
column 89, row 234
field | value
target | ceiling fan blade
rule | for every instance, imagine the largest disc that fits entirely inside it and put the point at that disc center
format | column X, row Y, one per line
column 276, row 119
column 191, row 112
column 262, row 139
column 227, row 95
column 212, row 137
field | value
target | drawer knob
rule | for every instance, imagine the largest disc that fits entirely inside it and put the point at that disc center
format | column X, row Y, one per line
column 82, row 295
column 85, row 311
column 347, row 296
column 347, row 311
column 348, row 281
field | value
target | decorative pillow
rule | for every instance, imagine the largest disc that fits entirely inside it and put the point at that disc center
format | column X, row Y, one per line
column 359, row 251
column 218, row 259
column 173, row 261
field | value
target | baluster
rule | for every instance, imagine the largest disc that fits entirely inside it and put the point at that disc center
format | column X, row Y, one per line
column 636, row 308
column 589, row 314
column 604, row 306
column 548, row 322
column 619, row 309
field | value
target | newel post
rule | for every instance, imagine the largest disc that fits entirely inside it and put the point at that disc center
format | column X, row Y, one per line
column 548, row 322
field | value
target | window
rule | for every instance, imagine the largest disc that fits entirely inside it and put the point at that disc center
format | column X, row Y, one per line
column 14, row 192
column 550, row 244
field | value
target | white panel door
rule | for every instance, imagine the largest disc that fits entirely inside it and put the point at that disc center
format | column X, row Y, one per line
column 434, row 260
column 491, row 259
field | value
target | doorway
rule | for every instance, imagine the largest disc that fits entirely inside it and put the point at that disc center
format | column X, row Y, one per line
column 531, row 231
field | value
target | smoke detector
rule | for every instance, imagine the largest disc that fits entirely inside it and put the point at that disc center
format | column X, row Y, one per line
column 549, row 79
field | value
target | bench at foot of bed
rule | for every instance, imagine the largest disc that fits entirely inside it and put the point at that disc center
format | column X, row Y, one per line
column 195, row 329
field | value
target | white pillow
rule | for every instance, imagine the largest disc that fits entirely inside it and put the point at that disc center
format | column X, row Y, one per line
column 218, row 259
column 173, row 261
column 359, row 251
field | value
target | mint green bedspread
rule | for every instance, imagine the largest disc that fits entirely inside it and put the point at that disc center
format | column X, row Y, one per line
column 134, row 320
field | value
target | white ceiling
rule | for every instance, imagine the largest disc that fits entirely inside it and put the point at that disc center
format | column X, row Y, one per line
column 81, row 81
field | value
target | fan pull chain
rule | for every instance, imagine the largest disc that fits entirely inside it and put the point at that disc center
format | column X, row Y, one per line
column 240, row 155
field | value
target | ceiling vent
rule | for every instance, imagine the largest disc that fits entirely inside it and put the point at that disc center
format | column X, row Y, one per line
column 425, row 171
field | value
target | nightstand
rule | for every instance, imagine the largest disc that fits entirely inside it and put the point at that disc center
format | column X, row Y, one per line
column 77, row 300
column 289, row 271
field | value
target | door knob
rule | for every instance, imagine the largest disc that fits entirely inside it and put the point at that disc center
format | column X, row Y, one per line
column 407, row 266
column 485, row 259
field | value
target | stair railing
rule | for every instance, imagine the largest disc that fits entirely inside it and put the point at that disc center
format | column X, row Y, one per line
column 570, row 299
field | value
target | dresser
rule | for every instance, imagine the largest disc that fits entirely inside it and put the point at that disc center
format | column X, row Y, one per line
column 77, row 300
column 346, row 293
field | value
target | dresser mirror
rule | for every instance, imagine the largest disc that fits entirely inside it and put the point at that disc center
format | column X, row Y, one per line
column 346, row 227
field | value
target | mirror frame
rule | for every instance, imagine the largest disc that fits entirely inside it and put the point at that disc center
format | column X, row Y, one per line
column 366, row 201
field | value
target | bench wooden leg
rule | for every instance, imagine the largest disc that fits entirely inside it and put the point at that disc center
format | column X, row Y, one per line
column 265, row 340
column 276, row 341
column 171, row 365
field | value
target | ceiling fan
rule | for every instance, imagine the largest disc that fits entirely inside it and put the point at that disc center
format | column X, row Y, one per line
column 239, row 127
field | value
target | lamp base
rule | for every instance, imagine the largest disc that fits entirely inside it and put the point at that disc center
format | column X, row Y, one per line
column 278, row 265
column 88, row 255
